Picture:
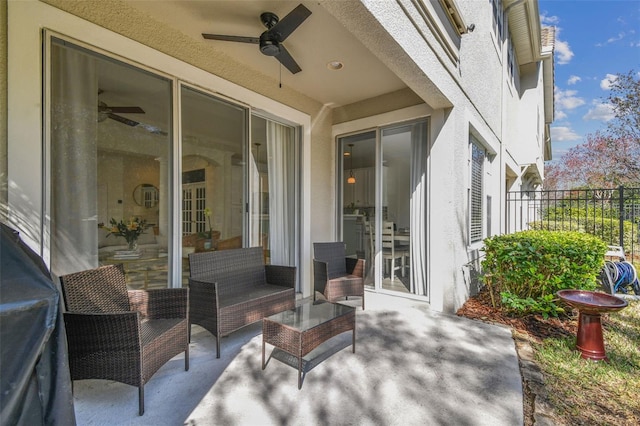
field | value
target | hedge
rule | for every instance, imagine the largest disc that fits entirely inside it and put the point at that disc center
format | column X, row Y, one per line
column 527, row 268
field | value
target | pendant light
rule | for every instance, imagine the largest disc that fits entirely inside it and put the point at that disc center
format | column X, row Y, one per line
column 351, row 179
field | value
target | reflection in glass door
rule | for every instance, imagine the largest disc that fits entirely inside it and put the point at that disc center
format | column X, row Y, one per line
column 214, row 137
column 358, row 184
column 273, row 185
column 110, row 150
column 384, row 205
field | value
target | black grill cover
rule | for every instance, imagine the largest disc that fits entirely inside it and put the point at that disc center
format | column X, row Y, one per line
column 35, row 385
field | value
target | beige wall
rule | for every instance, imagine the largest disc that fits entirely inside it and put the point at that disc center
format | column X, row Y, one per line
column 3, row 108
column 379, row 105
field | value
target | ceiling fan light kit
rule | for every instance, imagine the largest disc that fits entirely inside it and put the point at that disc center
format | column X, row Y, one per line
column 270, row 41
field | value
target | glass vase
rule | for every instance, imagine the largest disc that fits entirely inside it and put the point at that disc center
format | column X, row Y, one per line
column 133, row 244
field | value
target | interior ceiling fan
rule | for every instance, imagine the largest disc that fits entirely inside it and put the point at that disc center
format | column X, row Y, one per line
column 271, row 40
column 106, row 111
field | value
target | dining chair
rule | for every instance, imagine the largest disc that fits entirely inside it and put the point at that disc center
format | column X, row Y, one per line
column 392, row 252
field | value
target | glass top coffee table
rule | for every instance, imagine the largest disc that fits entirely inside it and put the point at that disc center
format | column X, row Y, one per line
column 304, row 328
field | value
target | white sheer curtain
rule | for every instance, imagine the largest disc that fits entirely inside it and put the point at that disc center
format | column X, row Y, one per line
column 280, row 156
column 74, row 229
column 419, row 154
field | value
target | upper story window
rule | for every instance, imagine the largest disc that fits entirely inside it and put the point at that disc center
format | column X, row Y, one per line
column 497, row 18
column 511, row 62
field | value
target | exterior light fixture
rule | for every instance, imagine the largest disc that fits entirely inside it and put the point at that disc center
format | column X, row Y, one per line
column 351, row 179
column 335, row 65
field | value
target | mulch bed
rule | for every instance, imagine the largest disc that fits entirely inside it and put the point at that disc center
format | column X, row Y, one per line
column 479, row 307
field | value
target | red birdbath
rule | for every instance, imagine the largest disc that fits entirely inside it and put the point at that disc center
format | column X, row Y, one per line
column 591, row 305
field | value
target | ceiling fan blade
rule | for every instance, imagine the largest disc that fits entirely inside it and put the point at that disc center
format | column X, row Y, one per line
column 287, row 60
column 123, row 120
column 289, row 23
column 127, row 110
column 239, row 39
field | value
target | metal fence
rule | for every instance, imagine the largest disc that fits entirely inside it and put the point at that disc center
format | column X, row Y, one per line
column 611, row 214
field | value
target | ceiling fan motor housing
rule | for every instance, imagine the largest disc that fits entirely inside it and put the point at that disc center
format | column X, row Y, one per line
column 269, row 45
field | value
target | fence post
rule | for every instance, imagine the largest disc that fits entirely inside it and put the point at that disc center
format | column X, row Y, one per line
column 621, row 214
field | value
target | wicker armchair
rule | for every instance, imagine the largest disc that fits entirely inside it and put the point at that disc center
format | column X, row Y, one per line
column 121, row 335
column 334, row 274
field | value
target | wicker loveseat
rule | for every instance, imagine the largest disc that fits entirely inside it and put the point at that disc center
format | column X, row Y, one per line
column 230, row 289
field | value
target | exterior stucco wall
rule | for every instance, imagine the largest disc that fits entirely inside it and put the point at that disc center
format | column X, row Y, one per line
column 323, row 207
column 3, row 108
column 475, row 95
column 481, row 72
column 524, row 130
column 379, row 105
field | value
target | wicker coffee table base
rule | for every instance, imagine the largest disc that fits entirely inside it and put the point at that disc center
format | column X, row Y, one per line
column 300, row 342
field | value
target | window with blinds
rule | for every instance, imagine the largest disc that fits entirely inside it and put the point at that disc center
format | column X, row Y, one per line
column 475, row 196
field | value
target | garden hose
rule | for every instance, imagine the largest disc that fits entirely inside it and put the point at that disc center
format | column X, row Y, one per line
column 623, row 274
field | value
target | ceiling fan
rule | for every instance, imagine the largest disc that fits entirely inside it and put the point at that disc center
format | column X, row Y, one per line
column 105, row 111
column 271, row 40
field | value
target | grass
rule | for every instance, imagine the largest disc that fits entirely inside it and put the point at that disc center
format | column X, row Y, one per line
column 596, row 393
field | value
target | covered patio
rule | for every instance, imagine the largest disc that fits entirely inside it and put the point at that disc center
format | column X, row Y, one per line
column 411, row 366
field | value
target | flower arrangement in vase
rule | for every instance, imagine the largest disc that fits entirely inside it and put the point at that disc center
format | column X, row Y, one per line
column 129, row 230
column 208, row 243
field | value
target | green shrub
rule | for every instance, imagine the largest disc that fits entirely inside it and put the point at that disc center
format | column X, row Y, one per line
column 527, row 268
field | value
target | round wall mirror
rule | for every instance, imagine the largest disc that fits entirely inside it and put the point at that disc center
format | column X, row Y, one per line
column 145, row 195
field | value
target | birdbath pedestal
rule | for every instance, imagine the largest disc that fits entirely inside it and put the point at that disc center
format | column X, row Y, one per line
column 591, row 305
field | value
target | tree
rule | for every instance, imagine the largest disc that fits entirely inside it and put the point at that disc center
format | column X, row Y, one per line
column 605, row 159
column 624, row 97
column 602, row 161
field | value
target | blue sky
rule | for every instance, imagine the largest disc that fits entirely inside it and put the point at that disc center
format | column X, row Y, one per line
column 595, row 39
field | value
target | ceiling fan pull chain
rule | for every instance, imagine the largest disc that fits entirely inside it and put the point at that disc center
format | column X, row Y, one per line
column 280, row 68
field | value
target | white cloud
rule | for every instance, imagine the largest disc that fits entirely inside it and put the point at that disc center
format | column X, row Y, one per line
column 563, row 51
column 573, row 80
column 560, row 115
column 606, row 83
column 600, row 112
column 563, row 133
column 567, row 99
column 549, row 20
column 620, row 36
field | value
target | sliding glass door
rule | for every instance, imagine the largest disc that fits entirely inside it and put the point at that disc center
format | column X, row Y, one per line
column 214, row 137
column 383, row 183
column 274, row 185
column 110, row 149
column 117, row 192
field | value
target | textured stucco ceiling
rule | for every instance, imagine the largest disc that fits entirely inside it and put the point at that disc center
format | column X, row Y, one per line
column 319, row 40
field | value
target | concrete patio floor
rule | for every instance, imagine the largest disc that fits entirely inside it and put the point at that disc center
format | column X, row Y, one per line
column 411, row 367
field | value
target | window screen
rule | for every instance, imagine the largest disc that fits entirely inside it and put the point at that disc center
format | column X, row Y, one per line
column 475, row 198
